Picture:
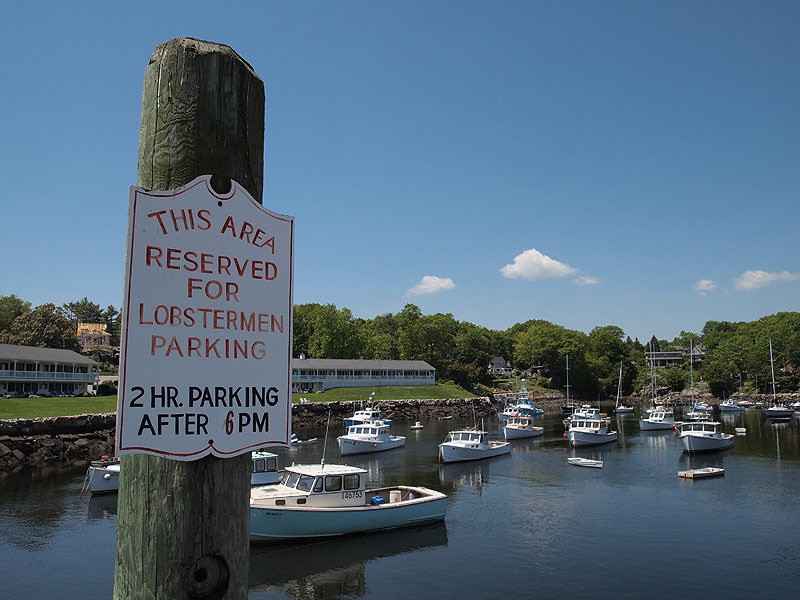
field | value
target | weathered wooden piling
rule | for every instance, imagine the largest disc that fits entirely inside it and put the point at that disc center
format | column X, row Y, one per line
column 183, row 527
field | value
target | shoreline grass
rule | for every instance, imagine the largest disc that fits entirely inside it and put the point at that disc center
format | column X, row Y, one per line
column 35, row 408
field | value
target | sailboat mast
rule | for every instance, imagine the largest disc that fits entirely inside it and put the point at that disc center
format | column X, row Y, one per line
column 772, row 366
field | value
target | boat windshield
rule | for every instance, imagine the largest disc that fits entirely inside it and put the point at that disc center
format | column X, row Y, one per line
column 290, row 479
column 305, row 484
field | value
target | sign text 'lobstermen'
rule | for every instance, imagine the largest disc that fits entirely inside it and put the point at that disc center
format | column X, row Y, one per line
column 206, row 349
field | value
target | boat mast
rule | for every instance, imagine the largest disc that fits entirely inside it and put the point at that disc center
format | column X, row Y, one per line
column 691, row 370
column 567, row 385
column 619, row 385
column 772, row 366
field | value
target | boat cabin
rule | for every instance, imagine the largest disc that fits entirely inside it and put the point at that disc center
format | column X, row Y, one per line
column 315, row 485
column 466, row 436
column 368, row 414
column 586, row 412
column 265, row 468
column 590, row 424
column 700, row 427
column 370, row 430
column 518, row 421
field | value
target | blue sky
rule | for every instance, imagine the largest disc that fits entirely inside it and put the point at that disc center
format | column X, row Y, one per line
column 588, row 163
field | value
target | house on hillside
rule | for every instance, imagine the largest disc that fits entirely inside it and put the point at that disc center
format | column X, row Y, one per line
column 26, row 370
column 499, row 366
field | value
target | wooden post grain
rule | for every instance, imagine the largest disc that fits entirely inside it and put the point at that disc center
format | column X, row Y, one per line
column 183, row 527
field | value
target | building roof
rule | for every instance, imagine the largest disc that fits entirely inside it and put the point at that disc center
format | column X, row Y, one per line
column 346, row 363
column 33, row 354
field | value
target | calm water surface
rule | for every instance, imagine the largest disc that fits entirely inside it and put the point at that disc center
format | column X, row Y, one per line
column 526, row 523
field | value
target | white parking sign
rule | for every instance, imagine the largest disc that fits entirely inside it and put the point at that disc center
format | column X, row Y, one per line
column 207, row 324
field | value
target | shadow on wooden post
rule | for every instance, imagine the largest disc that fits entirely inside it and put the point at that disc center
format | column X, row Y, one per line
column 183, row 527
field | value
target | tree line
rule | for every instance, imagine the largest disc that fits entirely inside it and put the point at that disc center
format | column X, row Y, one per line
column 736, row 354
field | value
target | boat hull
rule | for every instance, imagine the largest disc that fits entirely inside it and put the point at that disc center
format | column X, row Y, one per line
column 779, row 413
column 656, row 425
column 705, row 443
column 456, row 453
column 583, row 438
column 103, row 479
column 585, row 462
column 515, row 433
column 353, row 446
column 278, row 523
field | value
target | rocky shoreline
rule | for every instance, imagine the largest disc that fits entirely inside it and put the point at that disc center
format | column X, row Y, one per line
column 32, row 443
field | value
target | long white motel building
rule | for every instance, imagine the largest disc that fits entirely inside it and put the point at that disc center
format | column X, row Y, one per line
column 44, row 371
column 312, row 374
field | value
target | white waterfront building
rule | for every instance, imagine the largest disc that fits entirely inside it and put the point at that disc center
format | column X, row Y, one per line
column 312, row 374
column 28, row 370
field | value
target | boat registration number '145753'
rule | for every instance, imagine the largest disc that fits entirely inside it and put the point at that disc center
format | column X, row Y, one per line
column 356, row 494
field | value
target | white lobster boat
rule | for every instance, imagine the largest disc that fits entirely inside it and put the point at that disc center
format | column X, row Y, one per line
column 658, row 419
column 369, row 437
column 704, row 436
column 102, row 476
column 331, row 500
column 521, row 427
column 590, row 432
column 730, row 406
column 470, row 444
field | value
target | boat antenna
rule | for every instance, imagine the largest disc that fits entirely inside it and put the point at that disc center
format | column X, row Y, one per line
column 325, row 445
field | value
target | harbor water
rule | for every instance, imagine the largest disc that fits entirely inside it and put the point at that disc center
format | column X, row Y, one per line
column 526, row 523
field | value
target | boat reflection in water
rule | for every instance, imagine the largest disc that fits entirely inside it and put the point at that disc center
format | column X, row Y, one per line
column 102, row 506
column 334, row 567
column 688, row 461
column 473, row 474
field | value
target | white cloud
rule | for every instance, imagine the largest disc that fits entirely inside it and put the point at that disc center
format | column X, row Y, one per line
column 585, row 280
column 752, row 280
column 431, row 284
column 704, row 286
column 533, row 265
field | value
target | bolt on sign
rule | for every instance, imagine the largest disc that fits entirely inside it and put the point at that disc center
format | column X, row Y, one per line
column 207, row 326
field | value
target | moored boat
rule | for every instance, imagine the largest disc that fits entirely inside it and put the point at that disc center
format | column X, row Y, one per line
column 365, row 415
column 102, row 476
column 658, row 420
column 704, row 436
column 295, row 441
column 585, row 462
column 470, row 444
column 730, row 406
column 331, row 500
column 369, row 437
column 590, row 432
column 702, row 473
column 521, row 427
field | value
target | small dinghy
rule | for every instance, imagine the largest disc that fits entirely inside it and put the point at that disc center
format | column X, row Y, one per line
column 417, row 425
column 585, row 462
column 701, row 473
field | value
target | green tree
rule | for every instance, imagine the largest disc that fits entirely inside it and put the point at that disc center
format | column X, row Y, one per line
column 112, row 318
column 409, row 333
column 45, row 326
column 11, row 307
column 438, row 334
column 335, row 334
column 83, row 311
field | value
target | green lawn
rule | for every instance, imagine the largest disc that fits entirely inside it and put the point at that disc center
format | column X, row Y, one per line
column 31, row 408
column 389, row 392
